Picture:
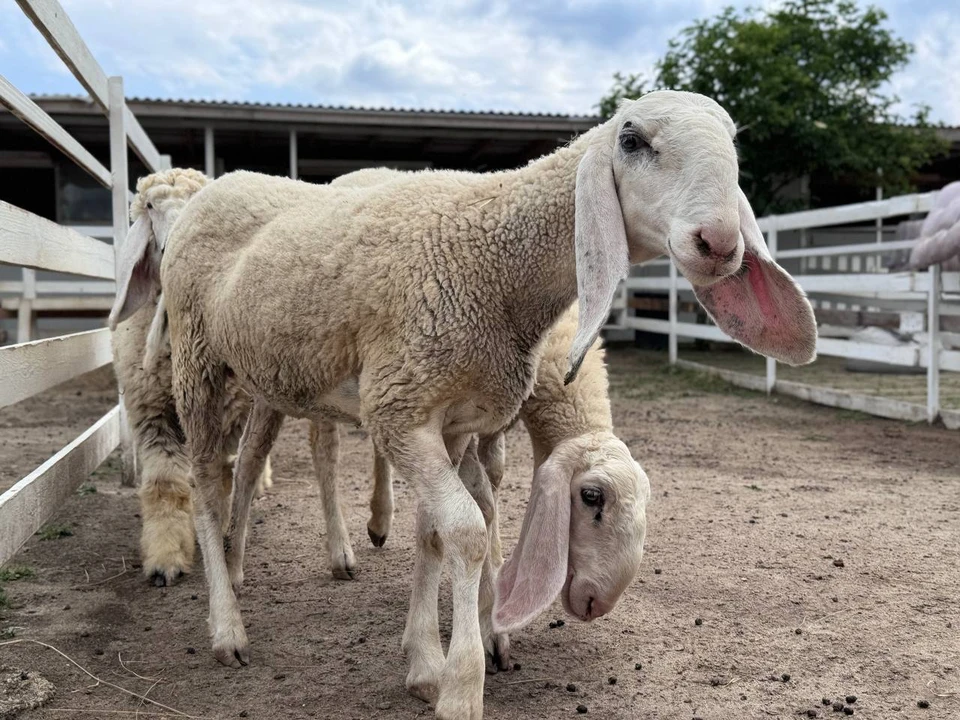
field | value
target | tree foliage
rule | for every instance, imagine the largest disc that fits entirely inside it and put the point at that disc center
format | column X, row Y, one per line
column 807, row 83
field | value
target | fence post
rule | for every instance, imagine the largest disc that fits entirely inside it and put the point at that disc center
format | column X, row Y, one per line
column 121, row 225
column 933, row 345
column 772, row 247
column 673, row 313
column 165, row 162
column 26, row 319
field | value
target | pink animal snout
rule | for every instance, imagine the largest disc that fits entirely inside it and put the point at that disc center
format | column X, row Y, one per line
column 717, row 243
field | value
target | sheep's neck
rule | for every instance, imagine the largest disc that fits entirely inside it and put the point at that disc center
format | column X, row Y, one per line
column 539, row 272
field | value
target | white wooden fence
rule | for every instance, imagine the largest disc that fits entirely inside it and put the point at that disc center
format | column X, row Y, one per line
column 34, row 243
column 930, row 292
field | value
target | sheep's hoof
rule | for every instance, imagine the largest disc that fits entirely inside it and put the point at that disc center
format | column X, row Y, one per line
column 377, row 539
column 344, row 567
column 423, row 688
column 344, row 573
column 233, row 652
column 161, row 578
column 499, row 653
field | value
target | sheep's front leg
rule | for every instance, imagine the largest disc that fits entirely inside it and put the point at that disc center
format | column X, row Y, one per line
column 259, row 435
column 325, row 448
column 381, row 501
column 421, row 636
column 166, row 505
column 449, row 524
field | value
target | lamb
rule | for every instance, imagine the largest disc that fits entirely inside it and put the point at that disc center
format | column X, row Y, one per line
column 571, row 429
column 167, row 537
column 433, row 293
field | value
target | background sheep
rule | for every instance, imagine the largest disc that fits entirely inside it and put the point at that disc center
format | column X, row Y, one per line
column 434, row 292
column 166, row 507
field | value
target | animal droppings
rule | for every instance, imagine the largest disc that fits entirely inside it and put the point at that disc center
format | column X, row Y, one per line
column 571, row 687
column 851, row 699
column 923, row 704
column 582, row 709
column 837, row 706
column 698, row 622
column 611, row 680
column 838, row 563
column 848, row 711
column 785, row 677
column 826, row 701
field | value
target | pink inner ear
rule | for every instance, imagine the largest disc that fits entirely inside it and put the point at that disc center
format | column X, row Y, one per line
column 762, row 307
column 759, row 284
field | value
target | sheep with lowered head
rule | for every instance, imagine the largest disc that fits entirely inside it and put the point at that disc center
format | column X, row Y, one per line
column 167, row 537
column 434, row 292
column 597, row 537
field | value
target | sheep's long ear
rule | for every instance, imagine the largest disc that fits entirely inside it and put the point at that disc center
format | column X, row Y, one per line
column 155, row 337
column 761, row 306
column 537, row 570
column 603, row 258
column 138, row 272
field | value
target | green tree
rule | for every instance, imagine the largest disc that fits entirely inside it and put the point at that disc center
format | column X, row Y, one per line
column 806, row 82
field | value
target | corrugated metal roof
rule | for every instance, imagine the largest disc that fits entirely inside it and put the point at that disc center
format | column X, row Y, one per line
column 308, row 106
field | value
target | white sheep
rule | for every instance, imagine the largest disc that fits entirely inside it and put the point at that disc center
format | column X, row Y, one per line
column 167, row 537
column 571, row 429
column 434, row 292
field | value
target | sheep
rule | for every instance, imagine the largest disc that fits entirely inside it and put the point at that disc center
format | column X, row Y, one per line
column 572, row 425
column 167, row 536
column 433, row 293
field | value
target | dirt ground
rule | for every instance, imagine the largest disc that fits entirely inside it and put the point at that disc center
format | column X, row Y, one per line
column 794, row 553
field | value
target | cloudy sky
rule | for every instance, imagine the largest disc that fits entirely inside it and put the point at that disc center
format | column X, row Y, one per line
column 526, row 55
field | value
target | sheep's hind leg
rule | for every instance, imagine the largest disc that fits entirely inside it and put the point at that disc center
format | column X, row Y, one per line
column 381, row 501
column 481, row 471
column 198, row 388
column 259, row 435
column 449, row 524
column 325, row 448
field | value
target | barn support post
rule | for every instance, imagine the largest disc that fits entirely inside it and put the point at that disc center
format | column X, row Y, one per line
column 121, row 225
column 209, row 165
column 673, row 313
column 166, row 162
column 933, row 345
column 294, row 159
column 772, row 247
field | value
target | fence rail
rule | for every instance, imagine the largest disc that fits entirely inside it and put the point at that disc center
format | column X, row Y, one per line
column 931, row 295
column 34, row 243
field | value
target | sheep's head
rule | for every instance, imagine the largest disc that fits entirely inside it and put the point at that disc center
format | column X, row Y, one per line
column 160, row 198
column 661, row 177
column 582, row 535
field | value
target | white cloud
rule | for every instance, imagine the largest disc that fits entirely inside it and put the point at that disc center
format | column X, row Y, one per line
column 461, row 54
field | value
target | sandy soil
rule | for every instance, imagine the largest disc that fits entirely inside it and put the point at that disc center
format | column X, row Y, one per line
column 794, row 553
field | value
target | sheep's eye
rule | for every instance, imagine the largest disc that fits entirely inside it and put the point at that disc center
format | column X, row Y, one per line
column 592, row 497
column 631, row 142
column 149, row 206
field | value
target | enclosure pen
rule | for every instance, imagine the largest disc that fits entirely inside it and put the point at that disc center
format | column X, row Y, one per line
column 35, row 243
